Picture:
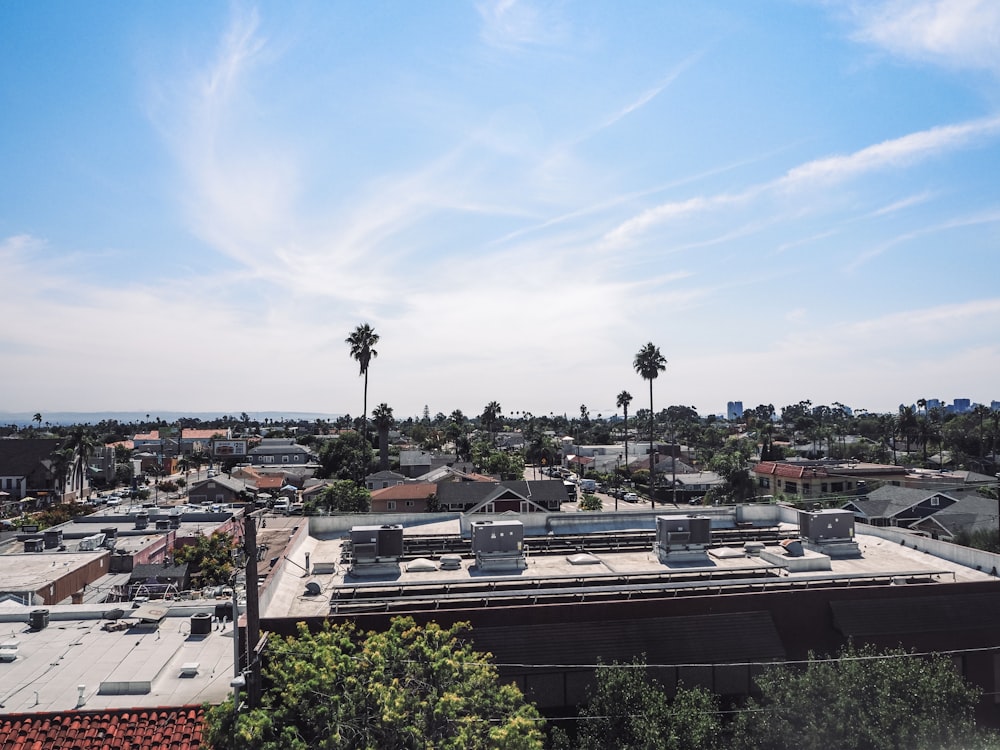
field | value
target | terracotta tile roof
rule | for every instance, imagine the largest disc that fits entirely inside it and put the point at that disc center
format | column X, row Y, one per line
column 201, row 434
column 136, row 729
column 269, row 481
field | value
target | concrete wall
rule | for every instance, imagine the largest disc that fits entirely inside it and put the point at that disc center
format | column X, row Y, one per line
column 326, row 527
column 967, row 556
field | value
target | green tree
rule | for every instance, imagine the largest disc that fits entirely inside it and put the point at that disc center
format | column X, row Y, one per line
column 627, row 708
column 862, row 700
column 210, row 556
column 349, row 456
column 344, row 496
column 408, row 687
column 623, row 400
column 590, row 502
column 362, row 341
column 649, row 363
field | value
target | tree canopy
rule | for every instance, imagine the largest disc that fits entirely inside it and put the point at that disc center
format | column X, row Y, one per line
column 862, row 700
column 408, row 687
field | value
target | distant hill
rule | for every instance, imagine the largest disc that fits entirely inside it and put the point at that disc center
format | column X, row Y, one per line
column 79, row 417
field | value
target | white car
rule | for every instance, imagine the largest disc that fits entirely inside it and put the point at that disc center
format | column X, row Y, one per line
column 630, row 497
column 114, row 501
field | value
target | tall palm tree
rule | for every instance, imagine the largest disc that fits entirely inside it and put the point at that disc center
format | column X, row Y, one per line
column 362, row 341
column 383, row 419
column 649, row 363
column 37, row 419
column 83, row 446
column 623, row 400
column 490, row 416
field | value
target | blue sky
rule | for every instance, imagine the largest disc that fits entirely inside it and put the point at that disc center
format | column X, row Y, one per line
column 793, row 200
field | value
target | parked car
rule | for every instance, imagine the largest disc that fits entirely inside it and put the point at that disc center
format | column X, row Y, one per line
column 281, row 505
column 630, row 497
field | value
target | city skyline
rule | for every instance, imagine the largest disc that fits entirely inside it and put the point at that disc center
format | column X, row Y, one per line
column 792, row 200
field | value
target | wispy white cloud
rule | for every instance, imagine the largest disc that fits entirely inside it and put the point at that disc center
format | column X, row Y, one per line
column 895, row 153
column 892, row 153
column 516, row 24
column 955, row 33
column 991, row 217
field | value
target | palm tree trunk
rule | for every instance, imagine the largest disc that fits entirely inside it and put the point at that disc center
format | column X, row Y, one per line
column 364, row 414
column 652, row 471
column 626, row 443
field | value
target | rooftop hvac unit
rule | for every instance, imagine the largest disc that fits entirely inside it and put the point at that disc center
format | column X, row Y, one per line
column 92, row 542
column 490, row 537
column 37, row 544
column 174, row 521
column 822, row 525
column 53, row 538
column 370, row 542
column 163, row 524
column 38, row 619
column 673, row 531
column 141, row 520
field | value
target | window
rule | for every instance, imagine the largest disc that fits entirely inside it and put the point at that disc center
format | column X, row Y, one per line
column 935, row 501
column 409, row 503
column 284, row 459
column 837, row 487
column 765, row 482
column 791, row 487
column 268, row 459
column 823, row 487
column 390, row 505
column 806, row 487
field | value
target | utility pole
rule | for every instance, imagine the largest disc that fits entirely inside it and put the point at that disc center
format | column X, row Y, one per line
column 253, row 611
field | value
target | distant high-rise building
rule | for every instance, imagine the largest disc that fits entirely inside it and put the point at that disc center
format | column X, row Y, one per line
column 963, row 405
column 933, row 403
column 734, row 410
column 995, row 405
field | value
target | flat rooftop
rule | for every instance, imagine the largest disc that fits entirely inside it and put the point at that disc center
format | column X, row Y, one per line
column 598, row 571
column 139, row 665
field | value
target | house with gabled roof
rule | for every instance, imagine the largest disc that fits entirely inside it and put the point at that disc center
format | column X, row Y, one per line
column 411, row 497
column 382, row 479
column 541, row 496
column 898, row 506
column 971, row 513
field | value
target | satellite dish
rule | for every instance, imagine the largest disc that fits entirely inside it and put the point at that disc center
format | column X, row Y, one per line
column 312, row 589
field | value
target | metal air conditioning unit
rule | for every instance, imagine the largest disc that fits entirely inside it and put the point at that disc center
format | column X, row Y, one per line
column 376, row 549
column 498, row 545
column 683, row 538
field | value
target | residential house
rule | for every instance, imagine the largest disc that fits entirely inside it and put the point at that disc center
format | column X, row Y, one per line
column 281, row 452
column 806, row 479
column 220, row 489
column 498, row 497
column 411, row 497
column 29, row 470
column 971, row 513
column 382, row 479
column 414, row 463
column 890, row 505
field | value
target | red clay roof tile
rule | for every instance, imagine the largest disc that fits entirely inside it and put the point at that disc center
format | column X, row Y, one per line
column 159, row 729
